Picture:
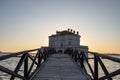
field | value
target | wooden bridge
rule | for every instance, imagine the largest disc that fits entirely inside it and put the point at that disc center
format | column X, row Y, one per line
column 47, row 64
column 60, row 67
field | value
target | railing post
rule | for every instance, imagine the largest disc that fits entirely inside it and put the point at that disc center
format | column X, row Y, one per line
column 76, row 55
column 82, row 60
column 26, row 67
column 95, row 67
column 39, row 58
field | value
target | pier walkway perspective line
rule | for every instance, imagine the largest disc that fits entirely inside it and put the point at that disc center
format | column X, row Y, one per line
column 60, row 67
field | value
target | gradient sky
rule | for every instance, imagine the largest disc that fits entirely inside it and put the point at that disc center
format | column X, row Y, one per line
column 26, row 24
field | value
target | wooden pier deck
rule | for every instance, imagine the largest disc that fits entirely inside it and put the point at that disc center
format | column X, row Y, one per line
column 60, row 67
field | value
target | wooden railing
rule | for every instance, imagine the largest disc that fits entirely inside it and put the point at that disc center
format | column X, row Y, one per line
column 81, row 58
column 43, row 53
column 25, row 57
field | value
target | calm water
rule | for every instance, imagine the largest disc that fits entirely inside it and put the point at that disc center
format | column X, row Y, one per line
column 12, row 62
column 110, row 65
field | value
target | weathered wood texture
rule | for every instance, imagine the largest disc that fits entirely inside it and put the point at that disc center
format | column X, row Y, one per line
column 60, row 67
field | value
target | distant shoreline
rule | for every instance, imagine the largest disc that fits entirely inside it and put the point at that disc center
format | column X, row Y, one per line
column 114, row 54
column 5, row 52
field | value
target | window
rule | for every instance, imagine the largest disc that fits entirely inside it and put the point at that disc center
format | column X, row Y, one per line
column 61, row 44
column 69, row 42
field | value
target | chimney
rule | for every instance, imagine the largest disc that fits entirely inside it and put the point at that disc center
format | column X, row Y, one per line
column 74, row 32
column 57, row 32
column 71, row 30
column 68, row 29
column 77, row 33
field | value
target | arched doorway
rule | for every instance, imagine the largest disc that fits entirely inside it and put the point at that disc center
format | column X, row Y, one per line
column 60, row 51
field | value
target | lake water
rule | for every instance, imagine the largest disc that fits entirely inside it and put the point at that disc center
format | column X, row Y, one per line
column 12, row 62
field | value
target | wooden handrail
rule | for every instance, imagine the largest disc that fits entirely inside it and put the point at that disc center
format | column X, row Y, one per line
column 81, row 57
column 24, row 55
column 78, row 56
column 16, row 54
column 106, row 56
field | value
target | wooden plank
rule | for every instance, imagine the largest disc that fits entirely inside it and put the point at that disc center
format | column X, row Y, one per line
column 60, row 67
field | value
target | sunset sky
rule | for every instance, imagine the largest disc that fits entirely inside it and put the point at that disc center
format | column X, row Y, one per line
column 26, row 24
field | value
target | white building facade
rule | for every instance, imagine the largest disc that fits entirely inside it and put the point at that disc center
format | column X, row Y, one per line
column 66, row 39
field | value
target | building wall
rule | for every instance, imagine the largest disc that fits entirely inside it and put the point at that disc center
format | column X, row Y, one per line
column 64, row 41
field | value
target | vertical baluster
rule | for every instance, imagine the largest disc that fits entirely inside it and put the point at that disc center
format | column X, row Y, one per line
column 26, row 67
column 39, row 58
column 82, row 59
column 95, row 67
